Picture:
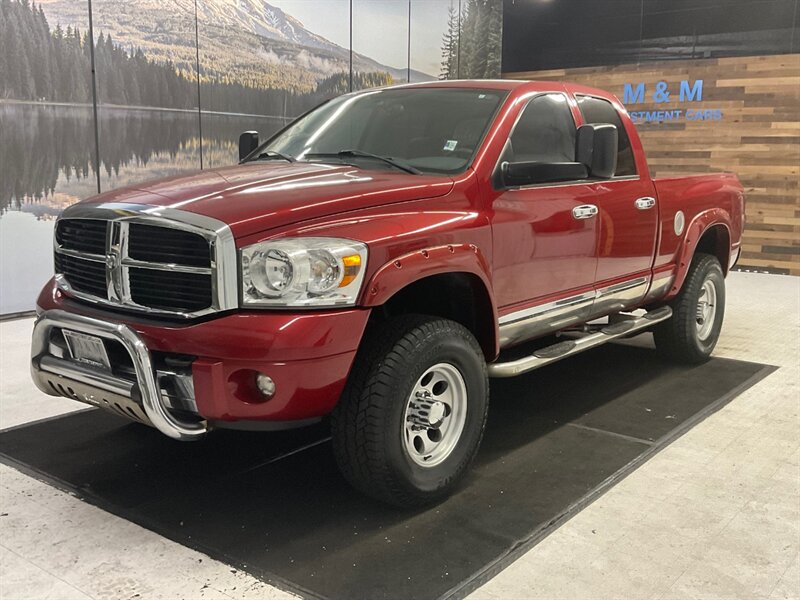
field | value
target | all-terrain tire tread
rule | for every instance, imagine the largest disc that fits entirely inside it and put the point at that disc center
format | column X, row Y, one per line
column 673, row 337
column 359, row 440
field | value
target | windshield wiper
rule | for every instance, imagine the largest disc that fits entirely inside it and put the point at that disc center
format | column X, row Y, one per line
column 360, row 153
column 271, row 154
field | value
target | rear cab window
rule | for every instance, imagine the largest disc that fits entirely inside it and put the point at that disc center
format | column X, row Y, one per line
column 598, row 110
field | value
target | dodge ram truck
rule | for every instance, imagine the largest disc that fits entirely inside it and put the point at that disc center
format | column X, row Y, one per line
column 372, row 263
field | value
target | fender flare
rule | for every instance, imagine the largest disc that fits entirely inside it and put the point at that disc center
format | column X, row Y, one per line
column 695, row 231
column 414, row 266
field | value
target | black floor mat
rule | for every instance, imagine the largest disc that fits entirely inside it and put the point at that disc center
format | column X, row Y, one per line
column 274, row 504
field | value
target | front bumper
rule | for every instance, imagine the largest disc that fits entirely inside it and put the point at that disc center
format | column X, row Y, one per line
column 140, row 399
column 184, row 379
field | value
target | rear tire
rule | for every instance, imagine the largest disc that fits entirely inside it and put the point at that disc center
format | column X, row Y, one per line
column 691, row 334
column 413, row 413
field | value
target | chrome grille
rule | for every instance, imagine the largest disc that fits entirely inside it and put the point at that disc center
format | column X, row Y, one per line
column 158, row 244
column 146, row 262
column 85, row 235
column 167, row 290
column 84, row 275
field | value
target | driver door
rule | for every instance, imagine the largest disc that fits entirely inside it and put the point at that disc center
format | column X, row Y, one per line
column 545, row 236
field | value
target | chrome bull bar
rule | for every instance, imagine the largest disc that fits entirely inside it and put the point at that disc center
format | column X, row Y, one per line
column 152, row 411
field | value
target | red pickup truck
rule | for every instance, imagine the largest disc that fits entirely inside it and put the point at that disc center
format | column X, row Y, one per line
column 372, row 262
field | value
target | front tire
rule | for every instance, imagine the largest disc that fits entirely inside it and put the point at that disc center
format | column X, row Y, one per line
column 413, row 413
column 691, row 334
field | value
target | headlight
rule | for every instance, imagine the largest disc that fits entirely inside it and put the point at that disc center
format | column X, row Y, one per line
column 303, row 272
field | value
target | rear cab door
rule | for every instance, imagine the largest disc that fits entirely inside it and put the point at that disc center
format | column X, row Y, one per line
column 628, row 212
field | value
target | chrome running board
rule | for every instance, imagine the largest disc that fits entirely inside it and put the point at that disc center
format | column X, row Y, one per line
column 563, row 349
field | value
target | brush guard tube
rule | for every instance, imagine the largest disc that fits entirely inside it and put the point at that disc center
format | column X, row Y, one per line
column 153, row 405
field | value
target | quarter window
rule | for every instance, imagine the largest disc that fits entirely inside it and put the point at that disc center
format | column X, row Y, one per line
column 597, row 110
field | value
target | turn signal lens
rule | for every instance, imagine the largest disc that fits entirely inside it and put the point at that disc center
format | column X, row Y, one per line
column 352, row 265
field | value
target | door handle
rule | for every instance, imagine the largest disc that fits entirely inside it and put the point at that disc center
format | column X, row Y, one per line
column 645, row 203
column 584, row 211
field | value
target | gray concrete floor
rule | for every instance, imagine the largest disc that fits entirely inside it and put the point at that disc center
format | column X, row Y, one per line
column 714, row 515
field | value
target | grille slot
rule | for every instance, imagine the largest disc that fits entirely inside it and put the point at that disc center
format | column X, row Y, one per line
column 82, row 235
column 161, row 245
column 169, row 290
column 84, row 275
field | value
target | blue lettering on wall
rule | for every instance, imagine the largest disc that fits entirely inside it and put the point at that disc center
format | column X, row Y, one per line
column 688, row 91
column 662, row 93
column 695, row 94
column 630, row 96
column 710, row 114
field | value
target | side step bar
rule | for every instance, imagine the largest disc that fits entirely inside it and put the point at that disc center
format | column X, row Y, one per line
column 566, row 348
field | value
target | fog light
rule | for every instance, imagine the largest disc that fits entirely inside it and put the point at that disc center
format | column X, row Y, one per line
column 265, row 385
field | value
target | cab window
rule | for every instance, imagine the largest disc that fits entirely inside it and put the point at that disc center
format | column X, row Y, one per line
column 597, row 110
column 434, row 130
column 545, row 132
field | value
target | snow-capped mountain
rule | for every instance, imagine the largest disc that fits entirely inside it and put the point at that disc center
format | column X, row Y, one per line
column 250, row 41
column 263, row 19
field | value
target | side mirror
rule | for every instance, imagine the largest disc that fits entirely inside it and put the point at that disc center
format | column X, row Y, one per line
column 248, row 142
column 596, row 148
column 527, row 173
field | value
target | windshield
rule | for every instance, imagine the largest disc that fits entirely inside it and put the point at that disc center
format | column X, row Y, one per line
column 433, row 130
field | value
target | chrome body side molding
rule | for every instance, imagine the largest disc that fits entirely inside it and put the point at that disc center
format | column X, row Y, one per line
column 545, row 318
column 549, row 318
column 620, row 296
column 660, row 286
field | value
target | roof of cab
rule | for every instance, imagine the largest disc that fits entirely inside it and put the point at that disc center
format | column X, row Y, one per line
column 519, row 85
column 486, row 84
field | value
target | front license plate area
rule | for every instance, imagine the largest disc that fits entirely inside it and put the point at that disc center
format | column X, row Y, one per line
column 87, row 349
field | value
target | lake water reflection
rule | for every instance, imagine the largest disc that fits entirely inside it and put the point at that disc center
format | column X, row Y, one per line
column 46, row 164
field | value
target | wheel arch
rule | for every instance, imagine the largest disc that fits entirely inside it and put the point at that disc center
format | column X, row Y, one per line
column 716, row 240
column 708, row 233
column 448, row 281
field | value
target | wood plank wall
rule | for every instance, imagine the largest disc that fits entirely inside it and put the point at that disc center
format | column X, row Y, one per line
column 758, row 137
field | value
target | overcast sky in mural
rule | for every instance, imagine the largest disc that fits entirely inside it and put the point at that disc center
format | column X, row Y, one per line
column 386, row 42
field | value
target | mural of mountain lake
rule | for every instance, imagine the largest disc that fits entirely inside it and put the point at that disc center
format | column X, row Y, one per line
column 46, row 164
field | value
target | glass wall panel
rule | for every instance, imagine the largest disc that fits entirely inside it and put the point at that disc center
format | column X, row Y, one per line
column 481, row 39
column 46, row 138
column 262, row 64
column 434, row 39
column 380, row 42
column 146, row 88
column 456, row 39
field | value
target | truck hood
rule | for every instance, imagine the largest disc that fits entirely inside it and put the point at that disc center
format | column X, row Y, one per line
column 255, row 197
